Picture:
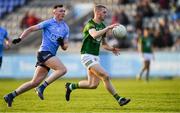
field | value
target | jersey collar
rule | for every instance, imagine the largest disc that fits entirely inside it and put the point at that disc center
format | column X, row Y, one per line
column 57, row 21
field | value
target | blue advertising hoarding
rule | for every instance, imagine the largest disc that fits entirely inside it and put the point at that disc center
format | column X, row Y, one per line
column 127, row 64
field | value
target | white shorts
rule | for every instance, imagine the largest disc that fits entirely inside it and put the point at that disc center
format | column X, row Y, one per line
column 147, row 56
column 89, row 60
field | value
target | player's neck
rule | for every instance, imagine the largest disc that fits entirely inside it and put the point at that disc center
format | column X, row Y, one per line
column 96, row 20
column 58, row 20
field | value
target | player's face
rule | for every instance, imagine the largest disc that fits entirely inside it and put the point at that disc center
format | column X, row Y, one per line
column 146, row 33
column 103, row 14
column 59, row 13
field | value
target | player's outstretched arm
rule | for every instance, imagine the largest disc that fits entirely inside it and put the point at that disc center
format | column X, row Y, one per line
column 25, row 33
column 97, row 34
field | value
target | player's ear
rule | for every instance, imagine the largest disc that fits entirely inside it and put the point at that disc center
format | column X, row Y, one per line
column 54, row 11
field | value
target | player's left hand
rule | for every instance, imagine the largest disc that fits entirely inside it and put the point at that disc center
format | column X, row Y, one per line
column 17, row 40
column 7, row 46
column 60, row 41
column 116, row 51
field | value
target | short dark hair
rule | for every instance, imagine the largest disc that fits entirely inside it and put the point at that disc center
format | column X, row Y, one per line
column 56, row 6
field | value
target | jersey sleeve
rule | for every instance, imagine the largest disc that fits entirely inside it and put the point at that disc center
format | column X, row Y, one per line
column 90, row 26
column 5, row 34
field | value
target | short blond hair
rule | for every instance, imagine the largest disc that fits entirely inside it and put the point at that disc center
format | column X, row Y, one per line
column 99, row 7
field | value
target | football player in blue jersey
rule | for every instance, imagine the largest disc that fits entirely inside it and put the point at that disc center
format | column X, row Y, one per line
column 3, row 40
column 55, row 33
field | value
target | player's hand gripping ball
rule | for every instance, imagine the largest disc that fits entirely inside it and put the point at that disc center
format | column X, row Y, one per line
column 119, row 31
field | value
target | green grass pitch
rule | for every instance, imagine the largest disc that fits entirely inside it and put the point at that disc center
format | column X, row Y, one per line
column 159, row 96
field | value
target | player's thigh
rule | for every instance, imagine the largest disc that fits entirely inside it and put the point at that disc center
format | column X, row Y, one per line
column 92, row 78
column 144, row 63
column 40, row 74
column 54, row 63
column 98, row 71
column 147, row 63
column 89, row 60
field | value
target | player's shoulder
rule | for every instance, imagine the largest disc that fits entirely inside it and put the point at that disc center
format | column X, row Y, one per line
column 2, row 29
column 90, row 23
column 47, row 22
column 50, row 20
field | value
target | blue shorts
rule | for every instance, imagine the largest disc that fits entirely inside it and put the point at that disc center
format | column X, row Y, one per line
column 0, row 61
column 42, row 57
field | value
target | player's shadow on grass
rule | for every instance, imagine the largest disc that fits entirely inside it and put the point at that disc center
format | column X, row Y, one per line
column 115, row 108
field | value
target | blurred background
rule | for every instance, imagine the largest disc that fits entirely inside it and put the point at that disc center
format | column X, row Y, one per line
column 162, row 17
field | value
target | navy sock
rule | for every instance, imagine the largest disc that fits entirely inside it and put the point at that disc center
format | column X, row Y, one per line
column 44, row 85
column 13, row 94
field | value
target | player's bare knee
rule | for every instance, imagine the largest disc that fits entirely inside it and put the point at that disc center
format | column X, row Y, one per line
column 62, row 70
column 102, row 74
column 106, row 78
column 34, row 83
column 94, row 86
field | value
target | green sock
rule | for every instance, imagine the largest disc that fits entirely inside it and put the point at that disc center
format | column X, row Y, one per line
column 116, row 96
column 74, row 86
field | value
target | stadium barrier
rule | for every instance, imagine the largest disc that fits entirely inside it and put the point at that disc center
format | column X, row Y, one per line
column 127, row 64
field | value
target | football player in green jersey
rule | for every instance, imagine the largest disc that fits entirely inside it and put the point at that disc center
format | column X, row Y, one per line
column 145, row 44
column 93, row 35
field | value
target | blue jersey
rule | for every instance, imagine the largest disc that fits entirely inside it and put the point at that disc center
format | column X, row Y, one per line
column 3, row 35
column 52, row 30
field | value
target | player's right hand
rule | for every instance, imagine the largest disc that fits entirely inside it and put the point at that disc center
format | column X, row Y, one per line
column 15, row 41
column 113, row 25
column 116, row 51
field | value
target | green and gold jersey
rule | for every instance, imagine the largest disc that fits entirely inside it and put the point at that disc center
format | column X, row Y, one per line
column 146, row 44
column 91, row 45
